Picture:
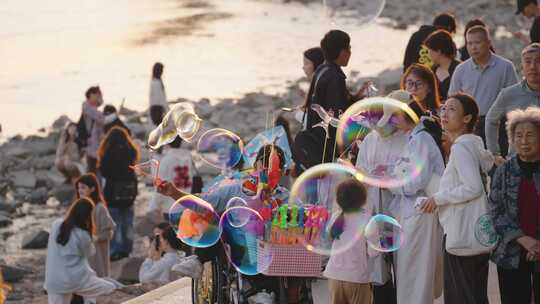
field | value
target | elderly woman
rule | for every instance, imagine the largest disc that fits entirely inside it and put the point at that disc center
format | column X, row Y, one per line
column 514, row 204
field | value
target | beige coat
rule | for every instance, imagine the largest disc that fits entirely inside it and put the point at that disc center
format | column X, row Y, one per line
column 105, row 226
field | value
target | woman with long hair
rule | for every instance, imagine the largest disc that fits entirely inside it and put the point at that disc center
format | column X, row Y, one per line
column 158, row 99
column 70, row 244
column 442, row 51
column 68, row 154
column 116, row 154
column 461, row 200
column 422, row 84
column 87, row 186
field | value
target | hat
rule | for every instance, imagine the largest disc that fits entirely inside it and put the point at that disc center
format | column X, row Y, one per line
column 533, row 47
column 399, row 95
column 521, row 4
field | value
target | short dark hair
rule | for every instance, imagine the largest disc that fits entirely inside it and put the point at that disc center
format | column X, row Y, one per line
column 176, row 143
column 471, row 23
column 169, row 235
column 333, row 43
column 264, row 155
column 445, row 21
column 441, row 41
column 470, row 107
column 92, row 90
column 109, row 109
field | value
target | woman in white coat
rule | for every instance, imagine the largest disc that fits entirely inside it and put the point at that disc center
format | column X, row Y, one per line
column 461, row 200
column 67, row 271
column 158, row 99
column 419, row 260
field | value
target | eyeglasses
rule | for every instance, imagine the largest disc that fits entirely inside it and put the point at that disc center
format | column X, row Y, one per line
column 416, row 84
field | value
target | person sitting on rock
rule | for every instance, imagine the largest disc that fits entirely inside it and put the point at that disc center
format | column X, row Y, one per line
column 68, row 155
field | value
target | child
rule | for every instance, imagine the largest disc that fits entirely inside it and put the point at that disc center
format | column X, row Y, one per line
column 347, row 271
column 87, row 186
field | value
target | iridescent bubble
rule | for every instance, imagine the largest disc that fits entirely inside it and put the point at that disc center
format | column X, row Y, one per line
column 148, row 170
column 240, row 243
column 181, row 120
column 314, row 193
column 237, row 217
column 353, row 13
column 220, row 148
column 380, row 114
column 195, row 221
column 383, row 233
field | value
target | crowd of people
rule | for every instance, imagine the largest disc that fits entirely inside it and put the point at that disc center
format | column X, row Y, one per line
column 478, row 132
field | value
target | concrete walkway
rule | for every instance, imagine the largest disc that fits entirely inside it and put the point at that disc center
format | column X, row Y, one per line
column 180, row 292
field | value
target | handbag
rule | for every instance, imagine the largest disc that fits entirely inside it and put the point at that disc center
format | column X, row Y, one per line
column 379, row 266
column 471, row 231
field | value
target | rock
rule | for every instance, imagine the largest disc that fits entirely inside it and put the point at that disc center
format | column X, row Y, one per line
column 63, row 193
column 8, row 207
column 42, row 146
column 56, row 177
column 5, row 221
column 39, row 196
column 17, row 151
column 35, row 240
column 25, row 179
column 13, row 274
column 52, row 202
column 43, row 163
column 137, row 130
column 127, row 270
column 60, row 122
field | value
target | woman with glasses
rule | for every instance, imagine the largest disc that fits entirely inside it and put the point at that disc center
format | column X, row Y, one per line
column 422, row 84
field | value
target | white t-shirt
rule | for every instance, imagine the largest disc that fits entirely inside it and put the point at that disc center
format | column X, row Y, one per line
column 176, row 166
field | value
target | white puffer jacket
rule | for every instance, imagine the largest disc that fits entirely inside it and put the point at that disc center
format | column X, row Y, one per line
column 461, row 197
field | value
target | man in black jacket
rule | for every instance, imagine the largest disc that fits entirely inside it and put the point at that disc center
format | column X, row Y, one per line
column 328, row 89
column 443, row 21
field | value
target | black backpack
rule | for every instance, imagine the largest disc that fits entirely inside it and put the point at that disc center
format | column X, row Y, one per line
column 82, row 133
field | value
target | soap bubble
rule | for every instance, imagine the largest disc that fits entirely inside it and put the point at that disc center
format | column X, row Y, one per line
column 314, row 192
column 383, row 233
column 240, row 243
column 484, row 231
column 148, row 170
column 220, row 148
column 379, row 114
column 195, row 222
column 353, row 13
column 181, row 120
column 236, row 217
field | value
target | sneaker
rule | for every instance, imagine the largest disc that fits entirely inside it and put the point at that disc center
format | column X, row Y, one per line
column 189, row 267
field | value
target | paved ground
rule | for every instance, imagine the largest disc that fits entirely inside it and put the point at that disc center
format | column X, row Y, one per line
column 180, row 292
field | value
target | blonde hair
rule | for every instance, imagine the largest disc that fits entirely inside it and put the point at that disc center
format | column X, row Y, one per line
column 4, row 289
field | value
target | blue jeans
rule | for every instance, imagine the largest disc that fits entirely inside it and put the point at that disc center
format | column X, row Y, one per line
column 122, row 241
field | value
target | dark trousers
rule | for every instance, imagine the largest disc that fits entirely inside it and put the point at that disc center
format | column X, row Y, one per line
column 465, row 279
column 385, row 294
column 517, row 285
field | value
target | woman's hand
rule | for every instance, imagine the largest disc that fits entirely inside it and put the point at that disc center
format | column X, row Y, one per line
column 362, row 92
column 153, row 254
column 499, row 160
column 429, row 206
column 530, row 244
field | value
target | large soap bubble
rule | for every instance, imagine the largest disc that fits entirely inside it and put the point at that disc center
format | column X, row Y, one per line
column 314, row 193
column 220, row 148
column 240, row 242
column 195, row 222
column 353, row 13
column 383, row 233
column 380, row 114
column 181, row 120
